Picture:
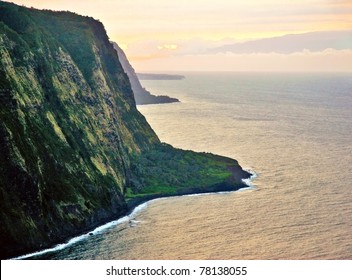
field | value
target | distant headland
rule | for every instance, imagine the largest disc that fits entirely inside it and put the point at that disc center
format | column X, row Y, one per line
column 149, row 76
column 141, row 95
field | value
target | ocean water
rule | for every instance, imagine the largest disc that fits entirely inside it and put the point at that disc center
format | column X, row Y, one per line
column 293, row 130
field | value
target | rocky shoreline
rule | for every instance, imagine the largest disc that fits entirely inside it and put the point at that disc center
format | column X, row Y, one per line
column 233, row 184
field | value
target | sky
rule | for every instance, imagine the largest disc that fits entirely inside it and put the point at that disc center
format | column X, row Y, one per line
column 169, row 35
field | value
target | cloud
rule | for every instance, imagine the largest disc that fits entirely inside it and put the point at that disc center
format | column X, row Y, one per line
column 154, row 48
column 328, row 60
column 316, row 51
column 130, row 21
column 313, row 41
column 167, row 47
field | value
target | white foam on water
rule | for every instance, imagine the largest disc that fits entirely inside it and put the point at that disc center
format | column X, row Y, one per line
column 128, row 218
column 98, row 230
column 249, row 181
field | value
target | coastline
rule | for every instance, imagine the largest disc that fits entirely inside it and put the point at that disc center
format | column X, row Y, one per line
column 218, row 188
column 135, row 205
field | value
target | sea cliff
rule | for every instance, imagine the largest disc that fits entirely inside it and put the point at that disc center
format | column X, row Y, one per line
column 74, row 150
column 141, row 95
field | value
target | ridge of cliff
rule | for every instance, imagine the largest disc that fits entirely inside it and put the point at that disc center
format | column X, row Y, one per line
column 68, row 127
column 141, row 95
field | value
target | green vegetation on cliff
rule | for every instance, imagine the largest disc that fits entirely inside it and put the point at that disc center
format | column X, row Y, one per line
column 165, row 170
column 73, row 146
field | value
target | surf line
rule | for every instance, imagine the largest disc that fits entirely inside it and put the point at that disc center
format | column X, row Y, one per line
column 129, row 217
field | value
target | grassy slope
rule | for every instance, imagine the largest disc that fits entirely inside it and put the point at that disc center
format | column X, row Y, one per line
column 165, row 171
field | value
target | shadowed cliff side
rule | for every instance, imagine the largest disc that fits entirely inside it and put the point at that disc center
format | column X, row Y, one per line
column 68, row 126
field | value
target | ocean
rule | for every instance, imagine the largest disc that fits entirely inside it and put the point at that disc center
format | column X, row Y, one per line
column 293, row 130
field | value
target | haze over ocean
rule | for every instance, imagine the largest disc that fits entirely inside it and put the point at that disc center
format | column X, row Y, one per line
column 293, row 130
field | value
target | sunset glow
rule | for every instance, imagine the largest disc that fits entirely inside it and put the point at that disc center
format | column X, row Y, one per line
column 155, row 33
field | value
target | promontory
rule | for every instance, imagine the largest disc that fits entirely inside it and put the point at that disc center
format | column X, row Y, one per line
column 74, row 150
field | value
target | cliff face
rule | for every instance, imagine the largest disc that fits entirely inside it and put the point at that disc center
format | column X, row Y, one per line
column 74, row 150
column 141, row 95
column 68, row 127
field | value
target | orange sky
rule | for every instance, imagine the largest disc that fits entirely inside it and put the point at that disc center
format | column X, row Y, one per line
column 165, row 35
